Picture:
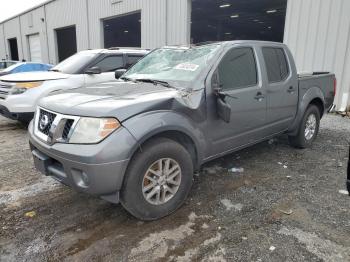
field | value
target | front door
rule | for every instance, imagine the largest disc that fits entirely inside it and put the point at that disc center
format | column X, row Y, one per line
column 239, row 79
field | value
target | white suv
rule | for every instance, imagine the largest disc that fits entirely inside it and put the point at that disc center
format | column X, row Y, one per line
column 20, row 93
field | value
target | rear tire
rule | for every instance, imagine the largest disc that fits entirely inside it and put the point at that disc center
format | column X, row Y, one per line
column 308, row 129
column 150, row 171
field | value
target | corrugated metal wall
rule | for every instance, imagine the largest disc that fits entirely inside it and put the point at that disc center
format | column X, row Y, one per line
column 34, row 23
column 2, row 42
column 163, row 22
column 12, row 29
column 318, row 34
column 64, row 13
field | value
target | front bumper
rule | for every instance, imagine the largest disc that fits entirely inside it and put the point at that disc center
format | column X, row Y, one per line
column 94, row 169
column 23, row 103
column 22, row 116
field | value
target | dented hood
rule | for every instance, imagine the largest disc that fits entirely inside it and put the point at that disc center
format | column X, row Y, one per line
column 116, row 99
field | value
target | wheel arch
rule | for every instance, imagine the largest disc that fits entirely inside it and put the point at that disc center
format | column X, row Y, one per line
column 313, row 96
column 171, row 125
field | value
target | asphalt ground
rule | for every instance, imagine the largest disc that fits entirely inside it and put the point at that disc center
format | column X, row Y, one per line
column 287, row 205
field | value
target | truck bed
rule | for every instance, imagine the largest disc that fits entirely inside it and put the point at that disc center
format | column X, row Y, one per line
column 325, row 81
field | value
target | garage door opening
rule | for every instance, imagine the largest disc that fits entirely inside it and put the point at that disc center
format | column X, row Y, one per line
column 123, row 31
column 34, row 48
column 66, row 42
column 13, row 49
column 238, row 20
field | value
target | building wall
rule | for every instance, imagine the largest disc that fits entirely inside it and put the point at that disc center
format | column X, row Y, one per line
column 34, row 23
column 2, row 42
column 317, row 31
column 12, row 29
column 163, row 22
column 318, row 34
column 64, row 13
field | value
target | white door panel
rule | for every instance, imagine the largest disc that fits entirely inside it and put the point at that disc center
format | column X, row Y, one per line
column 35, row 48
column 99, row 78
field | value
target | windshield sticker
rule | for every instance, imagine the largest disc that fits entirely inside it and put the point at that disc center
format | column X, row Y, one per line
column 187, row 67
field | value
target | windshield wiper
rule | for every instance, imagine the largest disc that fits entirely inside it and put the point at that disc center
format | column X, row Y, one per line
column 155, row 82
column 127, row 79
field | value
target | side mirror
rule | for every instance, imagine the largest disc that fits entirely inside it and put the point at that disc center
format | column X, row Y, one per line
column 119, row 73
column 93, row 71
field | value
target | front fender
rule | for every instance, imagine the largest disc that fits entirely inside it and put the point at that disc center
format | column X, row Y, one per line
column 147, row 125
column 304, row 101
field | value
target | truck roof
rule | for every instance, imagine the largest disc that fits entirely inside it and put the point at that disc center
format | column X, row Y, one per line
column 251, row 42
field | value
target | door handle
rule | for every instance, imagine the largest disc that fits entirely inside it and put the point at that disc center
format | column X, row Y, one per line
column 259, row 96
column 291, row 90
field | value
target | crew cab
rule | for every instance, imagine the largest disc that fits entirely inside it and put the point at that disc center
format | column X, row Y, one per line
column 139, row 140
column 20, row 93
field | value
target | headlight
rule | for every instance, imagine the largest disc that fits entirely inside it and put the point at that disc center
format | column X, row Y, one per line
column 93, row 130
column 21, row 87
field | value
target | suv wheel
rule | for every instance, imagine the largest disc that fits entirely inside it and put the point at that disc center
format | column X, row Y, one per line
column 308, row 129
column 158, row 179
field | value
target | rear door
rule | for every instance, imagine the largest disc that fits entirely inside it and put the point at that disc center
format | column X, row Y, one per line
column 239, row 77
column 108, row 65
column 282, row 89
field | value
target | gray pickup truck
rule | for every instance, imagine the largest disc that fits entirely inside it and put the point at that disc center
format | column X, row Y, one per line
column 138, row 140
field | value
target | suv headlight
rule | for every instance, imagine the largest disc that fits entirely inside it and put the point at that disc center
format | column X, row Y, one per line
column 21, row 87
column 93, row 130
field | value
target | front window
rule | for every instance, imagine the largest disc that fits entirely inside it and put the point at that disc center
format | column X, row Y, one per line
column 73, row 64
column 238, row 69
column 111, row 63
column 178, row 66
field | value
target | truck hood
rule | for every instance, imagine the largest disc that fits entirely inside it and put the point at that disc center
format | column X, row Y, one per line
column 33, row 76
column 116, row 99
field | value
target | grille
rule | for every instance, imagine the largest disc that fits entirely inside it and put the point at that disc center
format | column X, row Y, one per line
column 45, row 121
column 4, row 89
column 53, row 127
column 67, row 128
column 6, row 86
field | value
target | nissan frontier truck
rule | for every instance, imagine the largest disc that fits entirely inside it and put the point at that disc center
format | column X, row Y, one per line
column 139, row 140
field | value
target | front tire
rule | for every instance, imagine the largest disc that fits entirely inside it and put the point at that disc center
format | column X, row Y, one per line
column 158, row 180
column 308, row 129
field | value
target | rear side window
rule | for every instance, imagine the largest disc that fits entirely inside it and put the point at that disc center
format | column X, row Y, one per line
column 133, row 59
column 238, row 69
column 111, row 63
column 276, row 64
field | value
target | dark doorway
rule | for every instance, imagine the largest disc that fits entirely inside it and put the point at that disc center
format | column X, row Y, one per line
column 66, row 42
column 13, row 49
column 123, row 31
column 238, row 20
